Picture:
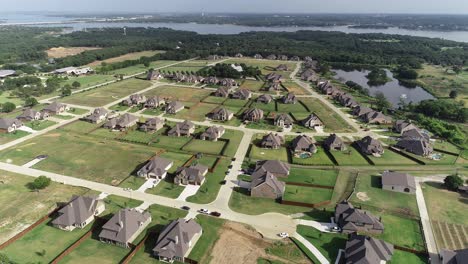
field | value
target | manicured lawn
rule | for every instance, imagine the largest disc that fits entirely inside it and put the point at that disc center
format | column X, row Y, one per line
column 235, row 102
column 370, row 184
column 264, row 125
column 235, row 138
column 266, row 107
column 89, row 80
column 167, row 188
column 444, row 160
column 242, row 202
column 447, row 146
column 197, row 112
column 178, row 158
column 258, row 153
column 214, row 100
column 37, row 246
column 205, row 146
column 294, row 108
column 312, row 176
column 139, row 137
column 107, row 94
column 169, row 142
column 438, row 197
column 252, row 85
column 8, row 137
column 306, row 194
column 98, row 160
column 133, row 182
column 294, row 88
column 115, row 203
column 350, row 156
column 328, row 244
column 206, row 242
column 21, row 207
column 401, row 231
column 64, row 117
column 319, row 158
column 40, row 125
column 332, row 121
column 119, row 107
column 210, row 188
column 407, row 258
column 391, row 158
column 105, row 133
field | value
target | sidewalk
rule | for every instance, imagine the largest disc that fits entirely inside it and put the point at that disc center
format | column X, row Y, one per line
column 311, row 248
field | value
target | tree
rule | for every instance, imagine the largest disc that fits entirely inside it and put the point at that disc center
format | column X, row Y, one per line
column 8, row 107
column 453, row 94
column 381, row 101
column 5, row 260
column 66, row 91
column 30, row 101
column 76, row 84
column 452, row 182
column 146, row 64
column 40, row 183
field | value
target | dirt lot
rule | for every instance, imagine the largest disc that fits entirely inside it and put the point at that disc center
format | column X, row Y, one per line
column 129, row 56
column 239, row 244
column 61, row 52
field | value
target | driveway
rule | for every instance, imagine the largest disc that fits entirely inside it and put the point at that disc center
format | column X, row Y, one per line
column 27, row 129
column 188, row 191
column 150, row 183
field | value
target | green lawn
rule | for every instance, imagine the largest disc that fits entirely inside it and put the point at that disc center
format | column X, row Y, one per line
column 312, row 176
column 319, row 158
column 214, row 100
column 7, row 96
column 183, row 94
column 89, row 80
column 331, row 120
column 447, row 146
column 242, row 202
column 40, row 125
column 401, row 231
column 294, row 88
column 252, row 85
column 8, row 137
column 328, row 244
column 235, row 138
column 80, row 127
column 293, row 108
column 235, row 102
column 407, row 258
column 139, row 137
column 27, row 206
column 306, row 194
column 258, row 153
column 205, row 146
column 391, row 158
column 115, row 203
column 167, row 188
column 438, row 197
column 206, row 242
column 197, row 112
column 350, row 156
column 107, row 94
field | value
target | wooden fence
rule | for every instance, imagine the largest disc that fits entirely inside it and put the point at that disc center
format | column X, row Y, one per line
column 311, row 185
column 136, row 248
column 309, row 205
column 398, row 151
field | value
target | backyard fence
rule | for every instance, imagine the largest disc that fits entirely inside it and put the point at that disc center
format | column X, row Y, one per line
column 309, row 205
column 311, row 185
column 398, row 151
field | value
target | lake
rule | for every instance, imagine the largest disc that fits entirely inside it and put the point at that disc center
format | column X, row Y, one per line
column 392, row 90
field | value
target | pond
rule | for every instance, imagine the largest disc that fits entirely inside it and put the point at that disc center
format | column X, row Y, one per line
column 392, row 90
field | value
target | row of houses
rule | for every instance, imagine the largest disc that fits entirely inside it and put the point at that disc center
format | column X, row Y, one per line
column 74, row 71
column 190, row 78
column 173, row 243
column 170, row 107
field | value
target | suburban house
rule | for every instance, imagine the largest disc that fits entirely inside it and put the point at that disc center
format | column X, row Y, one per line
column 152, row 125
column 345, row 99
column 134, row 99
column 176, row 240
column 272, row 141
column 213, row 133
column 156, row 167
column 238, row 55
column 333, row 142
column 9, row 125
column 400, row 126
column 365, row 249
column 154, row 102
column 66, row 70
column 211, row 80
column 78, row 213
column 312, row 121
column 227, row 82
column 375, row 117
column 31, row 115
column 242, row 94
column 361, row 110
column 213, row 57
column 283, row 121
column 253, row 115
column 55, row 108
column 418, row 146
column 309, row 76
column 454, row 256
column 221, row 114
column 154, row 75
column 289, row 98
column 282, row 67
column 194, row 175
column 185, row 128
column 258, row 56
column 265, row 98
column 122, row 122
column 273, row 87
column 271, row 57
column 98, row 115
column 273, row 77
column 370, row 146
column 303, row 143
column 174, row 107
column 266, row 185
column 350, row 219
column 398, row 182
column 124, row 227
column 277, row 168
column 282, row 57
column 6, row 73
column 295, row 58
column 81, row 71
column 222, row 92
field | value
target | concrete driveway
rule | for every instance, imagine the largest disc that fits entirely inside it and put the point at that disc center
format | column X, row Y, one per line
column 188, row 191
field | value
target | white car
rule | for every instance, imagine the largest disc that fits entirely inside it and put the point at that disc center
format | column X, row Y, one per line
column 283, row 235
column 335, row 229
column 204, row 211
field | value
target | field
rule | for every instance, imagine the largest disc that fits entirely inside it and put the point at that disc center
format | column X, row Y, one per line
column 40, row 125
column 129, row 56
column 205, row 146
column 294, row 88
column 107, row 94
column 252, row 85
column 350, row 156
column 196, row 112
column 8, row 137
column 27, row 206
column 6, row 96
column 89, row 80
column 401, row 231
column 189, row 66
column 304, row 194
column 61, row 52
column 331, row 120
column 140, row 68
column 120, row 158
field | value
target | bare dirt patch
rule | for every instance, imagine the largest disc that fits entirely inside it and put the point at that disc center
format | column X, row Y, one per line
column 129, row 56
column 240, row 244
column 362, row 196
column 61, row 52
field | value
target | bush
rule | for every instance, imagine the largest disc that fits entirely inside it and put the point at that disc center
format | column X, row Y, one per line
column 8, row 107
column 30, row 101
column 452, row 182
column 40, row 183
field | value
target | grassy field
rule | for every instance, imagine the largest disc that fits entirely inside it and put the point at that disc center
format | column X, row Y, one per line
column 319, row 158
column 401, row 231
column 107, row 94
column 205, row 146
column 294, row 88
column 349, row 157
column 197, row 112
column 312, row 176
column 8, row 97
column 8, row 137
column 190, row 66
column 40, row 125
column 167, row 188
column 328, row 244
column 206, row 242
column 193, row 95
column 235, row 138
column 437, row 199
column 331, row 120
column 306, row 194
column 89, row 80
column 258, row 153
column 115, row 203
column 252, row 85
column 27, row 206
column 391, row 158
column 242, row 202
column 98, row 160
column 266, row 66
column 128, row 56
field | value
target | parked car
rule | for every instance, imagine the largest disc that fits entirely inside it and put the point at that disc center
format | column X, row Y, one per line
column 185, row 208
column 283, row 235
column 335, row 229
column 217, row 214
column 223, row 182
column 204, row 211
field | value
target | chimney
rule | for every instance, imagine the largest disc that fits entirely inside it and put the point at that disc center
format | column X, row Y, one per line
column 121, row 224
column 176, row 240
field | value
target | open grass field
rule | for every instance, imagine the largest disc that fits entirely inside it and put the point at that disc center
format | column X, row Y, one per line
column 369, row 185
column 252, row 85
column 190, row 66
column 328, row 244
column 205, row 146
column 128, row 56
column 312, row 176
column 438, row 197
column 27, row 206
column 107, row 94
column 266, row 107
column 350, row 156
column 89, row 80
column 306, row 194
column 61, row 52
column 401, row 231
column 40, row 124
column 391, row 158
column 140, row 68
column 242, row 202
column 38, row 246
column 8, row 97
column 235, row 138
column 257, row 153
column 214, row 100
column 331, row 120
column 294, row 88
column 98, row 160
column 293, row 108
column 445, row 159
column 196, row 112
column 8, row 137
column 319, row 158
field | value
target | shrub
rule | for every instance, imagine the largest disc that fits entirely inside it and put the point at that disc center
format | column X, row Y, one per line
column 452, row 182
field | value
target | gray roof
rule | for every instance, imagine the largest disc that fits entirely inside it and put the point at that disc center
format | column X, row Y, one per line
column 361, row 110
column 242, row 94
column 302, row 142
column 28, row 113
column 174, row 105
column 5, row 123
column 415, row 133
column 265, row 98
column 275, row 167
column 417, row 146
column 54, row 107
column 370, row 145
column 222, row 92
column 156, row 165
column 97, row 114
column 367, row 250
column 272, row 140
column 285, row 118
column 333, row 141
column 193, row 173
column 312, row 119
column 122, row 121
column 269, row 179
column 454, row 256
column 398, row 179
column 213, row 132
column 174, row 239
column 152, row 124
column 289, row 98
column 6, row 73
column 182, row 128
column 123, row 225
column 253, row 113
column 347, row 216
column 77, row 211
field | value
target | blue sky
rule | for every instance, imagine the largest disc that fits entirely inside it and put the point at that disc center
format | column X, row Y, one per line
column 265, row 6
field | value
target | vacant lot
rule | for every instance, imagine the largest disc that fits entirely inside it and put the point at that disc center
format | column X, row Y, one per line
column 190, row 66
column 27, row 206
column 193, row 95
column 129, row 56
column 266, row 66
column 350, row 156
column 82, row 156
column 197, row 112
column 304, row 194
column 61, row 52
column 331, row 120
column 107, row 94
column 252, row 85
column 89, row 80
column 437, row 199
column 257, row 153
